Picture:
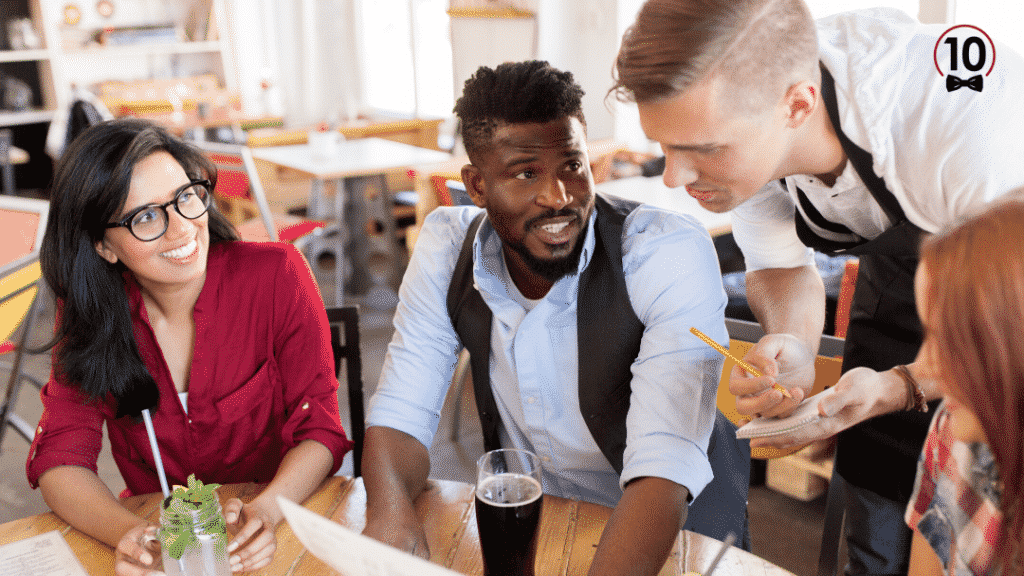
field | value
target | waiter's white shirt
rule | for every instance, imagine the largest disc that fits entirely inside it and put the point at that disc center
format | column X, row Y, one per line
column 942, row 154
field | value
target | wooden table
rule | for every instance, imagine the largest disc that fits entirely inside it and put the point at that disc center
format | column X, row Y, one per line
column 568, row 538
column 358, row 171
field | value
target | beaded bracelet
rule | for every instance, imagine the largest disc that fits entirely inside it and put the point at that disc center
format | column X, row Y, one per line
column 915, row 395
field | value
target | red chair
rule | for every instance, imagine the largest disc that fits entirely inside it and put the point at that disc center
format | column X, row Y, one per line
column 240, row 196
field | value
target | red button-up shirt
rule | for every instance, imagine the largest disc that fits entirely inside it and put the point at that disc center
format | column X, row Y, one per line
column 262, row 380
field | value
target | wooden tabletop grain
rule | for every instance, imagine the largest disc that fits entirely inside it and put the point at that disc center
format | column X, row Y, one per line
column 569, row 533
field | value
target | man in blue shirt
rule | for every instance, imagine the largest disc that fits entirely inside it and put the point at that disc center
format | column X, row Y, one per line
column 583, row 306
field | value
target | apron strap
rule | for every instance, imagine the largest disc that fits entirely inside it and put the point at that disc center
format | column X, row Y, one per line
column 860, row 158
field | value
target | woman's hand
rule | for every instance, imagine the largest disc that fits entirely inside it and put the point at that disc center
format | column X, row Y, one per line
column 255, row 539
column 138, row 552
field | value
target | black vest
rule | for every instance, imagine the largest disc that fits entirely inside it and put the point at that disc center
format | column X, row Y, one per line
column 608, row 342
column 604, row 363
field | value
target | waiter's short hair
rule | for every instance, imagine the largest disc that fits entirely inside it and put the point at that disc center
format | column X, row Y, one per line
column 760, row 47
column 514, row 93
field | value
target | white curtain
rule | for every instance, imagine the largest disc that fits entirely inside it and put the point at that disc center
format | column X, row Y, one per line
column 307, row 51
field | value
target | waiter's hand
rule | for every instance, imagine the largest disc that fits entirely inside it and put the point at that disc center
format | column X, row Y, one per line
column 781, row 358
column 860, row 394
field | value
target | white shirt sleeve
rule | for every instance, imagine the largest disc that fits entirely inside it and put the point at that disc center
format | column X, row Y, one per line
column 764, row 230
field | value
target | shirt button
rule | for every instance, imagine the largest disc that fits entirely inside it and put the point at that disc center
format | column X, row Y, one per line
column 305, row 406
column 531, row 400
column 190, row 421
column 39, row 430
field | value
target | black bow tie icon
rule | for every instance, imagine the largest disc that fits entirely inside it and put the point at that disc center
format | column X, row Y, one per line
column 954, row 83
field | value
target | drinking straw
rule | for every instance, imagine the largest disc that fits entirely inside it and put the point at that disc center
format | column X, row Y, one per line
column 159, row 466
column 744, row 365
column 729, row 539
column 156, row 452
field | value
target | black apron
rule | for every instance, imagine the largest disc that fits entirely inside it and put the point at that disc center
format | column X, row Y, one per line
column 608, row 342
column 879, row 454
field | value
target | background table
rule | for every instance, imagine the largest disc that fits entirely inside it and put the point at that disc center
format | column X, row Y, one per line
column 358, row 170
column 568, row 537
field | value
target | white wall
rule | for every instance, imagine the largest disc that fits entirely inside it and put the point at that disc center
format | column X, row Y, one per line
column 583, row 37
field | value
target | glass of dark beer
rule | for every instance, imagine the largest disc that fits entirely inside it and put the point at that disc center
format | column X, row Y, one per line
column 508, row 501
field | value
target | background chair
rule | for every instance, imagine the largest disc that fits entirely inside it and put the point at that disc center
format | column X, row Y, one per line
column 344, row 322
column 6, row 162
column 240, row 196
column 20, row 284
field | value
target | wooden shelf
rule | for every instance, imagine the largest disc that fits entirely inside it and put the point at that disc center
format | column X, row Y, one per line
column 508, row 12
column 24, row 55
column 149, row 49
column 27, row 117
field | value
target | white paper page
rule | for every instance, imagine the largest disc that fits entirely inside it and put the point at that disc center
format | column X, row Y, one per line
column 43, row 555
column 352, row 553
column 804, row 414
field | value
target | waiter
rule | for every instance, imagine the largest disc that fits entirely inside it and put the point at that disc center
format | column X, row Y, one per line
column 855, row 134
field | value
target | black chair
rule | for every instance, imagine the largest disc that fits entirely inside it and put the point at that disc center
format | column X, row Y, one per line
column 344, row 323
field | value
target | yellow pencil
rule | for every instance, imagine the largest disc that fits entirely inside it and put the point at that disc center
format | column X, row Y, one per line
column 741, row 363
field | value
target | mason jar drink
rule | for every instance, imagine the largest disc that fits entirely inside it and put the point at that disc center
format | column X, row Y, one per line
column 199, row 536
column 508, row 504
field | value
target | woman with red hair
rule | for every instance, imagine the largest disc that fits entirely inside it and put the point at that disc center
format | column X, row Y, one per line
column 966, row 508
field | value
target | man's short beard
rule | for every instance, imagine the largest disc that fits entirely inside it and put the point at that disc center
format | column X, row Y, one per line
column 556, row 269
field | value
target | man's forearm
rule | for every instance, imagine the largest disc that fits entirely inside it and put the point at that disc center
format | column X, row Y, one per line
column 639, row 536
column 395, row 465
column 395, row 468
column 789, row 301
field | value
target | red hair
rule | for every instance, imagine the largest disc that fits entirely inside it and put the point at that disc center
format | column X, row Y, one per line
column 974, row 305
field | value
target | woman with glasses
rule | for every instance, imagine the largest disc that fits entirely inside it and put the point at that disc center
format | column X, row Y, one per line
column 161, row 307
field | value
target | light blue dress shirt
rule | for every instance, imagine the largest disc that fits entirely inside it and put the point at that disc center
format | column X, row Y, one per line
column 673, row 279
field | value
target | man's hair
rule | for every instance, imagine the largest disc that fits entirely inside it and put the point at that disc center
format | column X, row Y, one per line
column 514, row 93
column 974, row 299
column 759, row 47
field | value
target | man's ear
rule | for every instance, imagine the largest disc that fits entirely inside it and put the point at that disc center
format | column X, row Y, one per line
column 474, row 181
column 800, row 101
column 105, row 252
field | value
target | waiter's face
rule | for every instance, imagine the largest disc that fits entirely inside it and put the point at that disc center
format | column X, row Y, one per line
column 721, row 157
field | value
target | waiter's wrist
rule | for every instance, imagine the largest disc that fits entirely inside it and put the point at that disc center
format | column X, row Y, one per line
column 913, row 393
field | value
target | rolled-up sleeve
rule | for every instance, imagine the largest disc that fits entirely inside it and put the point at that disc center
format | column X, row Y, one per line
column 70, row 431
column 674, row 282
column 423, row 352
column 302, row 349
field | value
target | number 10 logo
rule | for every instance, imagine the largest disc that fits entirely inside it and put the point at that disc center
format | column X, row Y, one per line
column 970, row 48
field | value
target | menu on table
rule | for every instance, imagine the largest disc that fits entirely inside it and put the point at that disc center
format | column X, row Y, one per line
column 43, row 555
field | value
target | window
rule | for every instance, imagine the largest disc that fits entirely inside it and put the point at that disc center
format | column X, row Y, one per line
column 408, row 57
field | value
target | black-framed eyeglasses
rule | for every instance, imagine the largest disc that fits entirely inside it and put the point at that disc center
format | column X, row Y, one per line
column 149, row 222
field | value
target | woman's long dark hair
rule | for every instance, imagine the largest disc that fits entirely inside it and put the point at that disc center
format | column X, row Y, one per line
column 95, row 341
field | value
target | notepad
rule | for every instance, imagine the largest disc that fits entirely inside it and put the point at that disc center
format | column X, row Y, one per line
column 805, row 413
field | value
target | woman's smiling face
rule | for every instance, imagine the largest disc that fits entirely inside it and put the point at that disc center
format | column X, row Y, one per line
column 176, row 257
